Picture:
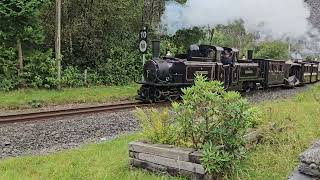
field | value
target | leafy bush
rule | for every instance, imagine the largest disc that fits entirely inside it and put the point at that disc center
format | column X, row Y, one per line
column 157, row 126
column 215, row 121
column 40, row 70
column 208, row 119
column 8, row 72
column 122, row 68
column 71, row 77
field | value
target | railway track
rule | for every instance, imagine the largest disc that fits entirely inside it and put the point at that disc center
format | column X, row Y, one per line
column 45, row 115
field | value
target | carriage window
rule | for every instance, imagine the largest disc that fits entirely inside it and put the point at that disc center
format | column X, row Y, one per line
column 276, row 68
column 281, row 68
column 273, row 67
column 212, row 54
column 308, row 69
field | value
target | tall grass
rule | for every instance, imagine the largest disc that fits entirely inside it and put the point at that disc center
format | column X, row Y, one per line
column 290, row 126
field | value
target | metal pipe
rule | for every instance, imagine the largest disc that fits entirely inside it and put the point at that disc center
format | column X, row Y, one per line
column 155, row 49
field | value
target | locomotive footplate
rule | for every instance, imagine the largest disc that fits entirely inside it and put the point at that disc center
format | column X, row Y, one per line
column 165, row 84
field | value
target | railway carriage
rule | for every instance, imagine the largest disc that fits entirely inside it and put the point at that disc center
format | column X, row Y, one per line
column 165, row 77
column 272, row 72
column 314, row 72
column 310, row 72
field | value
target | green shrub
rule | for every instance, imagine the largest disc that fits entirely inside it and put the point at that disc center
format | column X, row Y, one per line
column 124, row 67
column 208, row 119
column 8, row 72
column 157, row 126
column 71, row 77
column 40, row 70
column 215, row 121
column 93, row 78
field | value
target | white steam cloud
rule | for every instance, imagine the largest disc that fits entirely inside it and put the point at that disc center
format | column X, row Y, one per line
column 276, row 17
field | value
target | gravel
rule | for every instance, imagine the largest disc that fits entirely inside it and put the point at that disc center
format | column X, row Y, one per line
column 273, row 94
column 42, row 137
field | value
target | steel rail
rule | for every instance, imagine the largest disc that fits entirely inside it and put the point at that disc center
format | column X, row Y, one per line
column 44, row 115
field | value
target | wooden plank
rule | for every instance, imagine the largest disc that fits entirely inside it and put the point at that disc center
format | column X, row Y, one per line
column 156, row 168
column 147, row 165
column 168, row 151
column 172, row 163
column 195, row 157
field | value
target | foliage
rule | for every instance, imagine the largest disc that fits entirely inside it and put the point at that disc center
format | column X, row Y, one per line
column 313, row 58
column 122, row 68
column 101, row 36
column 40, row 70
column 94, row 29
column 208, row 119
column 290, row 126
column 214, row 121
column 234, row 35
column 71, row 77
column 20, row 20
column 272, row 50
column 35, row 103
column 157, row 126
column 8, row 73
column 185, row 37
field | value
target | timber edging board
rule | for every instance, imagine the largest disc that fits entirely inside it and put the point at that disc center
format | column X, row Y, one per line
column 166, row 158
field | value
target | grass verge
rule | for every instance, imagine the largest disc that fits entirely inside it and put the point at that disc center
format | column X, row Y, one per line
column 102, row 161
column 290, row 126
column 295, row 123
column 23, row 98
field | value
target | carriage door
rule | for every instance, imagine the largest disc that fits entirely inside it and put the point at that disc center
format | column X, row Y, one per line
column 276, row 73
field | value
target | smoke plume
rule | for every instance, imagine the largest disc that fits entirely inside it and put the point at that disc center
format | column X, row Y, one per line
column 276, row 17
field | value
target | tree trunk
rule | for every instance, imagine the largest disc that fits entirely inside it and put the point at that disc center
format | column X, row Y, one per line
column 20, row 56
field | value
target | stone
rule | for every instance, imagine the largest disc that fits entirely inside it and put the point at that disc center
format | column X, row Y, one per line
column 311, row 155
column 310, row 169
column 6, row 143
column 297, row 175
column 310, row 161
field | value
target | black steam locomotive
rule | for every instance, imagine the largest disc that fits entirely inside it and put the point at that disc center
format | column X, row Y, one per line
column 165, row 77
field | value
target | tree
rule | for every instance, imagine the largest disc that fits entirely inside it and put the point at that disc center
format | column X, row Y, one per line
column 92, row 30
column 233, row 35
column 272, row 50
column 19, row 20
column 185, row 37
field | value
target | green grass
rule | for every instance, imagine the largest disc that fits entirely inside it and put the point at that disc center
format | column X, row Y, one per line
column 22, row 98
column 102, row 161
column 297, row 123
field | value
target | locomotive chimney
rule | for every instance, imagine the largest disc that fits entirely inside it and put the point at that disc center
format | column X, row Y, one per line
column 250, row 54
column 155, row 49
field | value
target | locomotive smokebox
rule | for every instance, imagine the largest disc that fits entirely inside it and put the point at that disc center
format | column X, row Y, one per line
column 155, row 49
column 250, row 54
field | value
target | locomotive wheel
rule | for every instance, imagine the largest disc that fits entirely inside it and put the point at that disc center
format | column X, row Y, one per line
column 249, row 86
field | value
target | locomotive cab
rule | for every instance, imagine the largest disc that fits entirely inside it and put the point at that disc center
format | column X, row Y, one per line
column 229, row 56
column 204, row 53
